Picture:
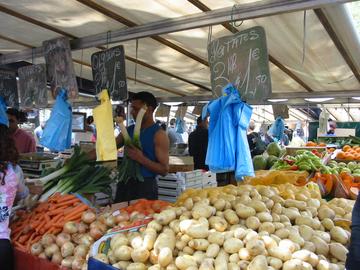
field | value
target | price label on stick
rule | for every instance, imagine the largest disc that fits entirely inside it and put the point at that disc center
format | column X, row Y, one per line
column 108, row 68
column 241, row 59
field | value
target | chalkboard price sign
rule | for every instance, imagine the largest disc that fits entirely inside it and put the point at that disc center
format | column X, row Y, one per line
column 32, row 86
column 60, row 67
column 241, row 59
column 281, row 110
column 108, row 69
column 8, row 88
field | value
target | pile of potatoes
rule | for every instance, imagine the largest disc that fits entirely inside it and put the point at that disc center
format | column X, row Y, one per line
column 244, row 227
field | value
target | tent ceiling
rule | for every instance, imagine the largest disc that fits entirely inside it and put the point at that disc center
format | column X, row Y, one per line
column 175, row 64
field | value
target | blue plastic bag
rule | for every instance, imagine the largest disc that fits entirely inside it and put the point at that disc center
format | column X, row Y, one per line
column 3, row 116
column 94, row 264
column 180, row 126
column 277, row 129
column 58, row 129
column 228, row 149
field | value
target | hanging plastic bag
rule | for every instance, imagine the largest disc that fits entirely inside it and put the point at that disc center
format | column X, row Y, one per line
column 323, row 122
column 58, row 129
column 277, row 129
column 105, row 139
column 180, row 126
column 3, row 116
column 244, row 164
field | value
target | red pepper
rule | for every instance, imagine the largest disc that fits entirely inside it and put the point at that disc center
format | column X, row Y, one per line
column 289, row 161
column 294, row 168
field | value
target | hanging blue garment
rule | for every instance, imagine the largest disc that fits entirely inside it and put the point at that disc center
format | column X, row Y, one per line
column 58, row 129
column 180, row 126
column 277, row 129
column 3, row 116
column 228, row 149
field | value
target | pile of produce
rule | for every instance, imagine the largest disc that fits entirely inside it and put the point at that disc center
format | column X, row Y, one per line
column 78, row 175
column 46, row 218
column 244, row 227
column 351, row 140
column 303, row 160
column 349, row 153
column 352, row 167
column 314, row 144
column 269, row 158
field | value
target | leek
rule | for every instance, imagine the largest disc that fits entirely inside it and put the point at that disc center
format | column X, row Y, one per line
column 130, row 169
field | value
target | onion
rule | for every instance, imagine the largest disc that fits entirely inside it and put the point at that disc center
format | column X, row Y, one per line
column 134, row 215
column 81, row 251
column 70, row 227
column 51, row 249
column 82, row 227
column 67, row 262
column 110, row 221
column 57, row 258
column 67, row 249
column 123, row 216
column 97, row 224
column 96, row 233
column 86, row 240
column 102, row 218
column 62, row 238
column 48, row 239
column 36, row 249
column 88, row 217
column 42, row 255
column 77, row 263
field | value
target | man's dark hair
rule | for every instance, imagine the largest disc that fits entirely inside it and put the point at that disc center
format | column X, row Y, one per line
column 199, row 120
column 90, row 120
column 146, row 97
column 20, row 116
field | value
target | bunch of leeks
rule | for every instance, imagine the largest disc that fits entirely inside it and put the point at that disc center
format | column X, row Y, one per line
column 130, row 169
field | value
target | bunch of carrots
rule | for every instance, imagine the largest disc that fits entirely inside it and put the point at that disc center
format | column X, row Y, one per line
column 147, row 207
column 46, row 218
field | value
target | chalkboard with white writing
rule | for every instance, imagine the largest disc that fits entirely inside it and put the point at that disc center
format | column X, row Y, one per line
column 32, row 86
column 60, row 67
column 281, row 110
column 8, row 88
column 108, row 69
column 241, row 59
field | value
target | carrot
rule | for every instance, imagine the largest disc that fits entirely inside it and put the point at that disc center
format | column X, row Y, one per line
column 76, row 211
column 65, row 198
column 57, row 211
column 68, row 202
column 29, row 241
column 24, row 238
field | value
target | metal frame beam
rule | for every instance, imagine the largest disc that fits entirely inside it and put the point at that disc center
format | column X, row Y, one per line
column 241, row 12
column 56, row 30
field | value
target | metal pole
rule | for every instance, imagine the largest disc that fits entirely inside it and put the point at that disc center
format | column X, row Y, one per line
column 240, row 12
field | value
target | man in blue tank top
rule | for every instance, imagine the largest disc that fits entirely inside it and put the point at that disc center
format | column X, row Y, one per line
column 154, row 157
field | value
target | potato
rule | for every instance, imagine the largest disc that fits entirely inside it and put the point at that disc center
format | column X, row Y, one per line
column 218, row 223
column 243, row 265
column 121, row 264
column 244, row 254
column 244, row 211
column 310, row 246
column 122, row 253
column 301, row 205
column 231, row 216
column 338, row 251
column 288, row 244
column 165, row 216
column 188, row 203
column 267, row 227
column 278, row 225
column 221, row 260
column 216, row 238
column 250, row 235
column 155, row 225
column 277, row 209
column 136, row 266
column 165, row 257
column 327, row 223
column 321, row 246
column 313, row 203
column 233, row 245
column 219, row 204
column 180, row 245
column 296, row 238
column 149, row 238
column 255, row 247
column 194, row 228
column 207, row 264
column 212, row 250
column 284, row 219
column 253, row 223
column 274, row 262
column 339, row 235
column 306, row 256
column 306, row 232
column 232, row 266
column 202, row 210
column 239, row 233
column 171, row 266
column 326, row 212
column 199, row 244
column 175, row 225
column 154, row 267
column 234, row 258
column 281, row 253
column 296, row 264
column 199, row 256
column 140, row 255
column 258, row 263
column 304, row 220
column 291, row 213
column 259, row 206
column 264, row 217
column 268, row 241
column 118, row 240
column 165, row 239
column 282, row 233
column 323, row 235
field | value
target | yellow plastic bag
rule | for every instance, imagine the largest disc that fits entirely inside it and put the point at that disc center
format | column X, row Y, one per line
column 275, row 177
column 105, row 139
